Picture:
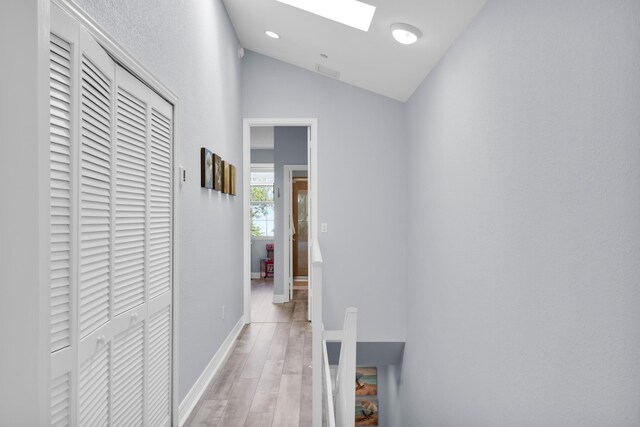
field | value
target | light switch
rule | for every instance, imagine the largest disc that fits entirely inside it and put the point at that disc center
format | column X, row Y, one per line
column 323, row 227
column 182, row 175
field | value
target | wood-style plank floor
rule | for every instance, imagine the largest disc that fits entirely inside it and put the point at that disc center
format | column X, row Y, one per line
column 266, row 381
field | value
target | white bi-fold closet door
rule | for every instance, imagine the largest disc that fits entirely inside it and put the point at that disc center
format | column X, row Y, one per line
column 111, row 238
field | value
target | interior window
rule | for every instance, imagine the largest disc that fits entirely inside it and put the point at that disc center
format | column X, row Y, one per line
column 262, row 209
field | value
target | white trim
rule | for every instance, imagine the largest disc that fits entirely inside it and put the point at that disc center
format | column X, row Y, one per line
column 280, row 299
column 312, row 160
column 200, row 386
column 266, row 166
column 265, row 238
column 287, row 277
column 43, row 257
column 246, row 221
column 255, row 275
column 175, row 302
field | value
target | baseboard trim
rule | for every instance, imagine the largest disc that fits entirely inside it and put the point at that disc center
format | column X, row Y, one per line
column 191, row 399
column 255, row 274
column 280, row 299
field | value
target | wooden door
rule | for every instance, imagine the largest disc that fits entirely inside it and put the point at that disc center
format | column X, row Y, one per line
column 300, row 238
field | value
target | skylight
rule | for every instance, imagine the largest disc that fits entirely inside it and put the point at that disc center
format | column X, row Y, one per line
column 348, row 12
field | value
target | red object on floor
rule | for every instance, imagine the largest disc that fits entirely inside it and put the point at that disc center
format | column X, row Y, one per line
column 268, row 262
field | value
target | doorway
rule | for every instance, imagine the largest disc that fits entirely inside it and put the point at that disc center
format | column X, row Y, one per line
column 300, row 238
column 296, row 221
column 312, row 206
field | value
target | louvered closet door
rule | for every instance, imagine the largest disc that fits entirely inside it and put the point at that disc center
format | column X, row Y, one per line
column 62, row 52
column 160, row 261
column 144, row 129
column 130, row 251
column 111, row 238
column 96, row 204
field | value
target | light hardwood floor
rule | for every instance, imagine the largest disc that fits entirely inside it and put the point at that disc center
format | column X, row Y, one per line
column 266, row 381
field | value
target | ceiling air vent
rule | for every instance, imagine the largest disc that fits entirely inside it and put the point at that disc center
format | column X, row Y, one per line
column 327, row 71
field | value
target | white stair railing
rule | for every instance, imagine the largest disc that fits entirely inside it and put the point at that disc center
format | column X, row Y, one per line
column 341, row 409
column 315, row 286
column 329, row 411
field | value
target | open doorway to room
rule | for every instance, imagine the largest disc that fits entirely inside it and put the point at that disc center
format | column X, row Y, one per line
column 280, row 221
column 296, row 222
column 262, row 217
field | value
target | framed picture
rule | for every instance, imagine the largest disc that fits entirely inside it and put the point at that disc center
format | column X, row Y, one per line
column 232, row 178
column 226, row 181
column 366, row 381
column 366, row 411
column 206, row 168
column 217, row 172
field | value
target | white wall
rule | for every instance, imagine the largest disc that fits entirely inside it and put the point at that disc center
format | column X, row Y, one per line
column 192, row 48
column 361, row 153
column 24, row 181
column 524, row 304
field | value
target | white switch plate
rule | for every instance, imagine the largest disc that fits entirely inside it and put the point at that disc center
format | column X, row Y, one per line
column 323, row 227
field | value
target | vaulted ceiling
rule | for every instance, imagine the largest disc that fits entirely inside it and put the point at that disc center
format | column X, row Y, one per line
column 371, row 60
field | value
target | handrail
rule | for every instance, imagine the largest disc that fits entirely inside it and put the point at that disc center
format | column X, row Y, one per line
column 331, row 414
column 316, row 254
column 315, row 286
column 345, row 394
column 340, row 411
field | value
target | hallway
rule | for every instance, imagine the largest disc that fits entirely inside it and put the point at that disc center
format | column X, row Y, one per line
column 266, row 381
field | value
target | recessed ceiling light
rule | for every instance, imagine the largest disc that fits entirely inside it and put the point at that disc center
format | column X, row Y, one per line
column 272, row 34
column 348, row 12
column 405, row 33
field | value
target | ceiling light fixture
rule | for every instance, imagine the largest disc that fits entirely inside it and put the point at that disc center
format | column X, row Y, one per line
column 348, row 12
column 272, row 34
column 405, row 33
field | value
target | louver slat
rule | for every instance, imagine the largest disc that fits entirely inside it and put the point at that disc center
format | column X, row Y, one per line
column 130, row 221
column 60, row 191
column 159, row 382
column 95, row 197
column 160, row 205
column 94, row 390
column 128, row 377
column 60, row 400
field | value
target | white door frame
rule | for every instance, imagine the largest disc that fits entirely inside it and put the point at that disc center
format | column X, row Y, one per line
column 312, row 160
column 286, row 237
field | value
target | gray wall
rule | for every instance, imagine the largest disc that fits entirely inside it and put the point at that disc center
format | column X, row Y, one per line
column 524, row 304
column 261, row 156
column 24, row 212
column 192, row 48
column 361, row 155
column 290, row 147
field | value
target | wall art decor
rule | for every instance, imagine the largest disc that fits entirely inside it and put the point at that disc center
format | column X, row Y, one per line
column 206, row 168
column 366, row 381
column 217, row 172
column 226, row 182
column 232, row 177
column 366, row 411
